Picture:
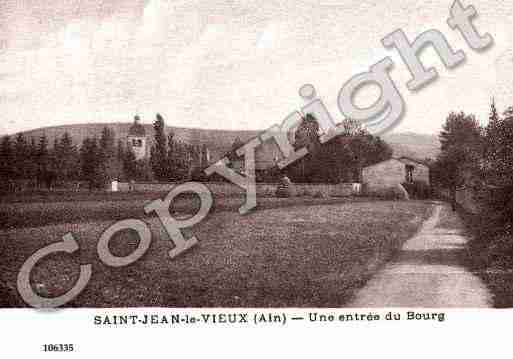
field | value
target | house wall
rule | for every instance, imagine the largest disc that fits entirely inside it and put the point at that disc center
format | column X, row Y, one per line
column 391, row 172
column 383, row 175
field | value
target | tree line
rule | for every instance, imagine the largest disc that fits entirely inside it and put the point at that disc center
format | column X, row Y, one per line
column 479, row 159
column 175, row 160
column 339, row 160
column 474, row 154
column 32, row 163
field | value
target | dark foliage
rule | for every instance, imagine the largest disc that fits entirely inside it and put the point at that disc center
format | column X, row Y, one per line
column 339, row 160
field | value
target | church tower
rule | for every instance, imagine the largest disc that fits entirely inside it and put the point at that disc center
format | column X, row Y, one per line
column 137, row 140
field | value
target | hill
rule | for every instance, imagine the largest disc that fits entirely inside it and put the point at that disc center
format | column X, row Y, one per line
column 409, row 144
column 217, row 141
column 418, row 146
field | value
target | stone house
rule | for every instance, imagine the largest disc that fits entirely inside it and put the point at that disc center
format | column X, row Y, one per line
column 394, row 171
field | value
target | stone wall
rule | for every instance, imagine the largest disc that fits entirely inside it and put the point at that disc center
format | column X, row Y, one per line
column 263, row 189
column 332, row 190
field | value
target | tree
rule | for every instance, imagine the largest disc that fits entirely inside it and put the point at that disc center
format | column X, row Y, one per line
column 232, row 154
column 445, row 172
column 66, row 158
column 107, row 154
column 172, row 164
column 500, row 150
column 461, row 130
column 120, row 158
column 352, row 127
column 178, row 160
column 20, row 157
column 201, row 161
column 236, row 162
column 306, row 136
column 492, row 144
column 493, row 119
column 159, row 151
column 377, row 150
column 365, row 150
column 92, row 170
column 130, row 165
column 341, row 158
column 107, row 141
column 461, row 151
column 6, row 163
column 45, row 175
column 31, row 161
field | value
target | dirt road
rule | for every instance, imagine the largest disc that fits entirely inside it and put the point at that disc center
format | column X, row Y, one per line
column 428, row 271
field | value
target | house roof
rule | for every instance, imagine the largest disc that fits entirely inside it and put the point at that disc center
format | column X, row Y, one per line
column 379, row 163
column 411, row 160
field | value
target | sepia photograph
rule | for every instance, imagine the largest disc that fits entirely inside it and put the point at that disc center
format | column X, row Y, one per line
column 330, row 154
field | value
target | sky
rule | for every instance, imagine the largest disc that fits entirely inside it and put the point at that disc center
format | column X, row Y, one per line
column 231, row 64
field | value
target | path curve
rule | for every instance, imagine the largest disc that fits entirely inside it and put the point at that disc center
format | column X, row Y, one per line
column 427, row 272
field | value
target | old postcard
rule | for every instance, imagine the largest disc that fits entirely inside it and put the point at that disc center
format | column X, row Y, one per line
column 248, row 178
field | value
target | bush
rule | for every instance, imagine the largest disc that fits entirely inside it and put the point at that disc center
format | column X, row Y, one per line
column 500, row 251
column 285, row 188
column 492, row 241
column 306, row 192
column 198, row 175
column 320, row 194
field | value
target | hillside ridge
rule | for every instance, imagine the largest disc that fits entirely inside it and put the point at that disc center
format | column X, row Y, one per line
column 410, row 144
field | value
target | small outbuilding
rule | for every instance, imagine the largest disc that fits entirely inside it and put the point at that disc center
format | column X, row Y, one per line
column 394, row 171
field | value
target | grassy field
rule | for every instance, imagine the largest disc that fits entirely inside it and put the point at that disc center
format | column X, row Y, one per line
column 43, row 208
column 303, row 255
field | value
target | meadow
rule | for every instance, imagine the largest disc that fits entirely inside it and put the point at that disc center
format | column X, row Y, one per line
column 288, row 253
column 21, row 210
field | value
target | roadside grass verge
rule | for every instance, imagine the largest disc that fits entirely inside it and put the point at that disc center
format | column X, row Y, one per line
column 303, row 256
column 491, row 254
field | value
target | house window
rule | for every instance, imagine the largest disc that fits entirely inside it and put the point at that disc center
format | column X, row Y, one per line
column 409, row 173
